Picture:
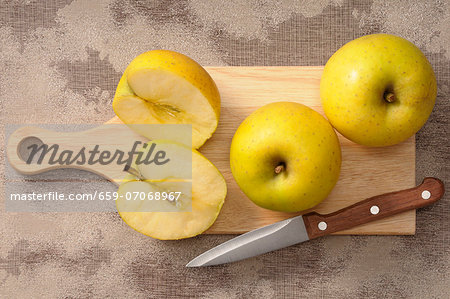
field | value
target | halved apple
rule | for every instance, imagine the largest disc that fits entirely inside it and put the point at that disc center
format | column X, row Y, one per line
column 166, row 87
column 202, row 194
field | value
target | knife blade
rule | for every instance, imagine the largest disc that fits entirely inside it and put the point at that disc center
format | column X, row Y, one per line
column 268, row 238
column 313, row 225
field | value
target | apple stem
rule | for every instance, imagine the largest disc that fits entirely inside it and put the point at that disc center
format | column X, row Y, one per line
column 389, row 97
column 134, row 172
column 279, row 168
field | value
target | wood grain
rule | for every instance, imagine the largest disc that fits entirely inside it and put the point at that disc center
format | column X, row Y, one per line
column 366, row 172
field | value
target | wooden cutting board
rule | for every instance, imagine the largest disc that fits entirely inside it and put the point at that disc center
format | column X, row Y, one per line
column 365, row 171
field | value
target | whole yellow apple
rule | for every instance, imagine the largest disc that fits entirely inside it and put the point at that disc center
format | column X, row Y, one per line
column 285, row 157
column 378, row 90
column 166, row 87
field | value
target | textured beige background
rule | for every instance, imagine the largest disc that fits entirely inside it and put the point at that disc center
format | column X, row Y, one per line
column 60, row 62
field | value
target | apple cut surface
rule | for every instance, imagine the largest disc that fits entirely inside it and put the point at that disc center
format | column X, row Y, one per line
column 165, row 87
column 170, row 220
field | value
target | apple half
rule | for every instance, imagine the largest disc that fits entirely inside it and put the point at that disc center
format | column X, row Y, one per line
column 166, row 87
column 203, row 193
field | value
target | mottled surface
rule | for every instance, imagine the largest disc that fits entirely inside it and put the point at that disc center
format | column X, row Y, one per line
column 60, row 62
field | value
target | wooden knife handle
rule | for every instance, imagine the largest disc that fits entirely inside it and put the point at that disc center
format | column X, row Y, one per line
column 374, row 208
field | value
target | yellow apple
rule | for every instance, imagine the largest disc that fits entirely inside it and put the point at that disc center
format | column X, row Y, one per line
column 378, row 90
column 202, row 193
column 166, row 87
column 285, row 157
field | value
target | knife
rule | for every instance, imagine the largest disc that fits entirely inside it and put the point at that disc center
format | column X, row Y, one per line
column 313, row 225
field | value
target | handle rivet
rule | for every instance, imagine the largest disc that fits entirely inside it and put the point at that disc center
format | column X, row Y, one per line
column 374, row 210
column 322, row 225
column 426, row 194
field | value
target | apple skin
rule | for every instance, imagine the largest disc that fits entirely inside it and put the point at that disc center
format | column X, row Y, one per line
column 358, row 77
column 294, row 135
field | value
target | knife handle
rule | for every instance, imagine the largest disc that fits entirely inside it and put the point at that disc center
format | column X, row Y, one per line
column 374, row 208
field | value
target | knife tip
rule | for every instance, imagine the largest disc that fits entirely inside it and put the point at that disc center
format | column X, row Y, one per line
column 192, row 264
